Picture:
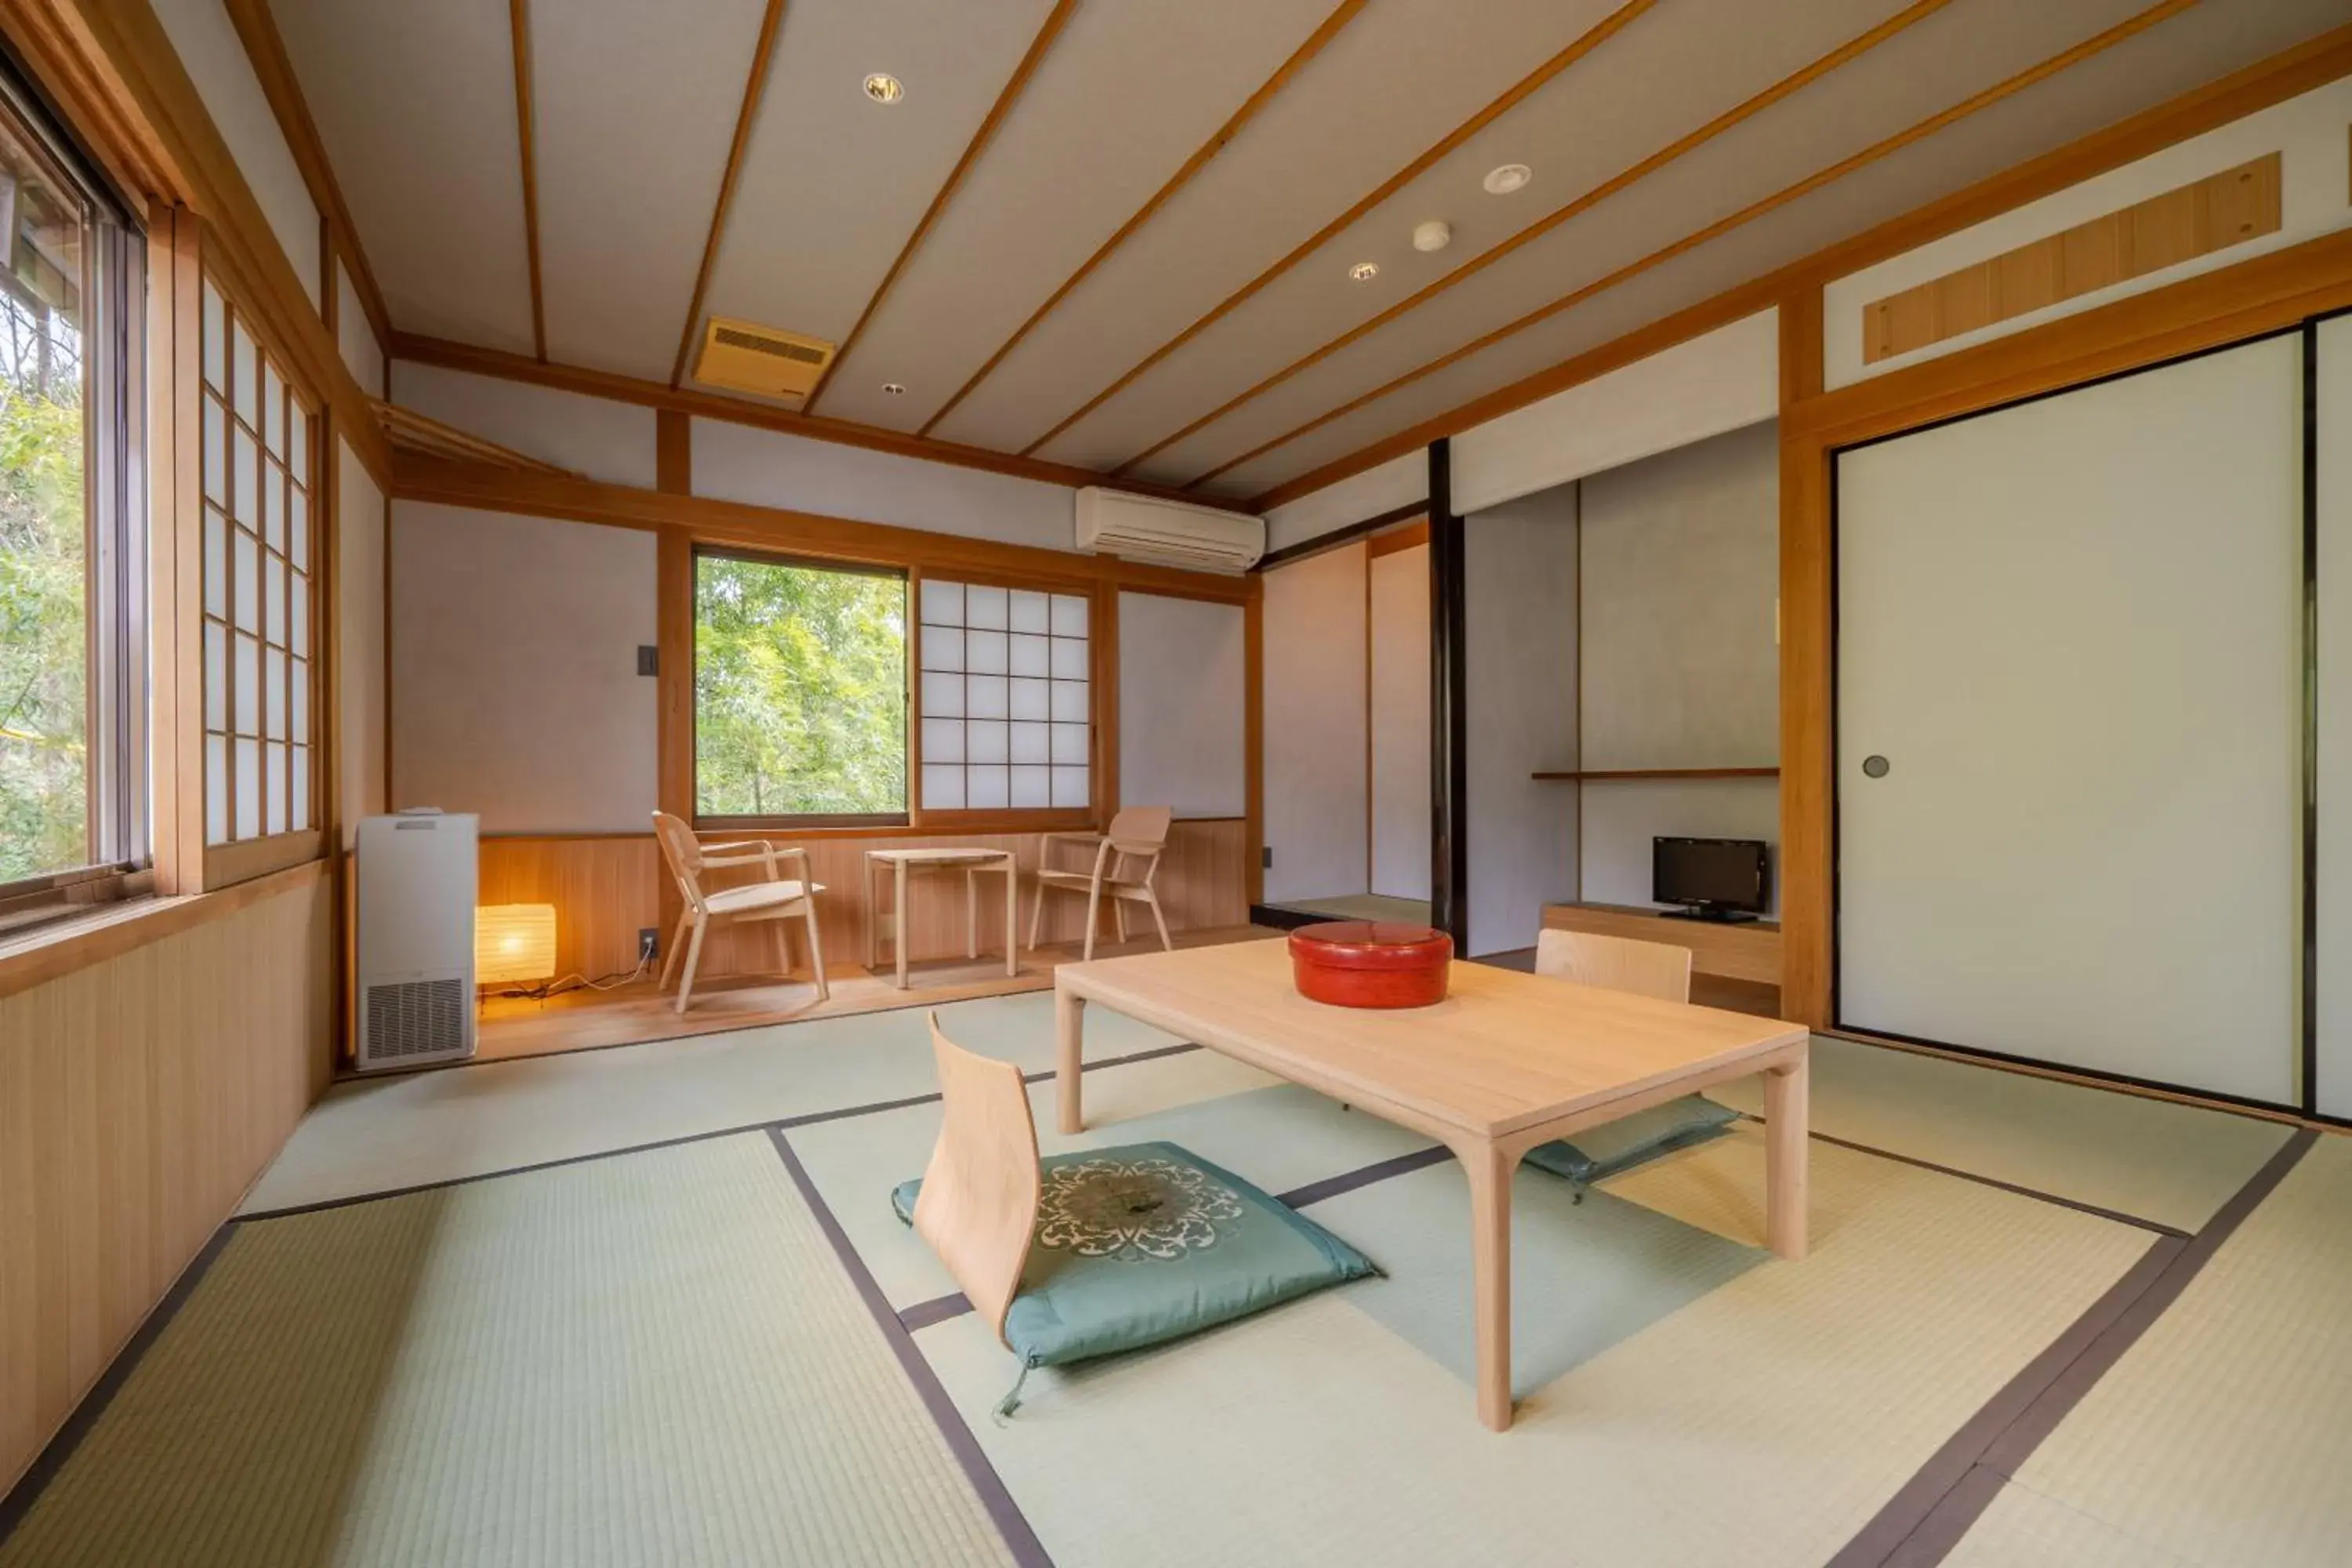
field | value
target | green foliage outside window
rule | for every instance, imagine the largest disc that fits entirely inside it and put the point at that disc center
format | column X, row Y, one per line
column 44, row 704
column 800, row 691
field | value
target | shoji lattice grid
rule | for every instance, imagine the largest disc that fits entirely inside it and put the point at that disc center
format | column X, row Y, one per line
column 1004, row 698
column 259, row 612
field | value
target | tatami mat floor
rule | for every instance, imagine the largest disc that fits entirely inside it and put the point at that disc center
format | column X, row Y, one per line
column 672, row 1341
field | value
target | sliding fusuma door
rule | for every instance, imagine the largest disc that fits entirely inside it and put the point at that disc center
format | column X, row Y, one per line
column 2070, row 728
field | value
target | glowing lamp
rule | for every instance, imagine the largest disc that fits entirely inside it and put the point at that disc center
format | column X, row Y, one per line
column 514, row 942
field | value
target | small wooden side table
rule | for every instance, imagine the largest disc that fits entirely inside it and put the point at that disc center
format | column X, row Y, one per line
column 971, row 862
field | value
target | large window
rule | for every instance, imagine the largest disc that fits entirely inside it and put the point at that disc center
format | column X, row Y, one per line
column 72, row 566
column 258, row 607
column 1004, row 699
column 800, row 692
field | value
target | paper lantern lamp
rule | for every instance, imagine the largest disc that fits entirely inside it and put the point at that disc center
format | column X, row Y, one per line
column 514, row 942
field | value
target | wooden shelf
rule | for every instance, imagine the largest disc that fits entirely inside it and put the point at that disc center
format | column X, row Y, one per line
column 1666, row 773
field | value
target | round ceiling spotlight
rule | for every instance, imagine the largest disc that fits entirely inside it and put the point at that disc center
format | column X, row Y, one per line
column 884, row 88
column 1364, row 271
column 1505, row 178
column 894, row 389
column 1434, row 235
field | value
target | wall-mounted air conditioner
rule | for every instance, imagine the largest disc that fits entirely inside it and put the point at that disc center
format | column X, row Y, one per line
column 415, row 939
column 1145, row 528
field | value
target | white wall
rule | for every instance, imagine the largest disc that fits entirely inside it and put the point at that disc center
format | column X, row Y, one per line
column 1314, row 729
column 1182, row 679
column 360, row 642
column 1682, row 573
column 514, row 684
column 591, row 435
column 1399, row 721
column 2307, row 131
column 1520, row 592
column 1621, row 817
column 2334, row 847
column 1378, row 491
column 363, row 355
column 1716, row 382
column 206, row 42
column 767, row 467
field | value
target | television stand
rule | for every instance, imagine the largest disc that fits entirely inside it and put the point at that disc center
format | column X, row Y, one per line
column 1713, row 917
column 1743, row 950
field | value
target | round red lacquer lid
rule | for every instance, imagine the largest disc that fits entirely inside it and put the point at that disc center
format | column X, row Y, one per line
column 1371, row 944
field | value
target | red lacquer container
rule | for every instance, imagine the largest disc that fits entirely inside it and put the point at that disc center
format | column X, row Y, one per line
column 1371, row 964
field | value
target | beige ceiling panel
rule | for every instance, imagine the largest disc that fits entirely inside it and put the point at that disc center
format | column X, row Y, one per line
column 636, row 103
column 2202, row 43
column 1129, row 91
column 1942, row 62
column 1311, row 153
column 415, row 104
column 1669, row 72
column 833, row 182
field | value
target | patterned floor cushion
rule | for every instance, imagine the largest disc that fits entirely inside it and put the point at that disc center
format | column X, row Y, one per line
column 1145, row 1243
column 1621, row 1144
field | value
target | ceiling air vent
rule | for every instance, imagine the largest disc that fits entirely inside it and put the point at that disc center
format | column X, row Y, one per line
column 745, row 357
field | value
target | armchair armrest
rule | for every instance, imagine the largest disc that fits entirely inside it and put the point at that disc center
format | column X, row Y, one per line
column 1046, row 841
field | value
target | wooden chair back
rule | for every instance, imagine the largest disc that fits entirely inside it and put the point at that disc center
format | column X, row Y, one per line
column 1616, row 964
column 682, row 852
column 1142, row 829
column 978, row 1204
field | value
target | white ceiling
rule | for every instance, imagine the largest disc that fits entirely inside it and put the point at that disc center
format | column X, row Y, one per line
column 636, row 101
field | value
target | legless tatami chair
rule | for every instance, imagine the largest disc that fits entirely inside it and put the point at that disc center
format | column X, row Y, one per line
column 776, row 898
column 978, row 1207
column 1126, row 859
column 1615, row 963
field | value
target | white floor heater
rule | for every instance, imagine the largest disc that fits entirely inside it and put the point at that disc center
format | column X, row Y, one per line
column 416, row 883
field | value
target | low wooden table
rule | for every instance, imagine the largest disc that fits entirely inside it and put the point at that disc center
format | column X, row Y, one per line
column 1507, row 1062
column 971, row 862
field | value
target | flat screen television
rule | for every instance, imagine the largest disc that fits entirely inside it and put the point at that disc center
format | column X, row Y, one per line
column 1712, row 878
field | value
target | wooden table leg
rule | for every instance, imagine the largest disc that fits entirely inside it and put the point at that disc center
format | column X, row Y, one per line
column 1489, row 1170
column 1069, row 1039
column 898, row 921
column 1011, row 916
column 1787, row 1113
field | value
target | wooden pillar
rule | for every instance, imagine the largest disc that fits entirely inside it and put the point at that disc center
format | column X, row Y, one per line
column 1449, row 738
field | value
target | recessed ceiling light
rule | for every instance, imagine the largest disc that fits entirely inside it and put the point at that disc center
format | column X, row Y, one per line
column 893, row 388
column 884, row 88
column 1434, row 235
column 1364, row 271
column 1505, row 178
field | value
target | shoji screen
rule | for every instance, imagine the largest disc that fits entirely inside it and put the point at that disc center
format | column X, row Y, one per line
column 2072, row 629
column 2334, row 948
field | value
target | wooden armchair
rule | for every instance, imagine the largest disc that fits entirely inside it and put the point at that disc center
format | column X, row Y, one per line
column 776, row 898
column 1616, row 964
column 1138, row 834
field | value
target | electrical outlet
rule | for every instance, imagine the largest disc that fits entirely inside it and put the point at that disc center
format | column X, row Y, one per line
column 1267, row 862
column 648, row 660
column 648, row 943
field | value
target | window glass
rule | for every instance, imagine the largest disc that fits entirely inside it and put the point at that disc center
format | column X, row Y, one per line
column 800, row 691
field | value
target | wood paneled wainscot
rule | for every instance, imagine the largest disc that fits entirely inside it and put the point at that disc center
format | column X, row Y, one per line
column 140, row 1094
column 605, row 889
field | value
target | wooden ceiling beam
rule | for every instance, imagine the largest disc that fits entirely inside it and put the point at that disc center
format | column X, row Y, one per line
column 1853, row 49
column 1347, row 12
column 258, row 31
column 620, row 388
column 755, row 91
column 2315, row 63
column 1018, row 84
column 518, row 15
column 1591, row 38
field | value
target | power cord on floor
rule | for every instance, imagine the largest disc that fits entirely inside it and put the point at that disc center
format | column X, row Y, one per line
column 554, row 988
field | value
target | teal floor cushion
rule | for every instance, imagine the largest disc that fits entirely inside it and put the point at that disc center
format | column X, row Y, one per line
column 1145, row 1243
column 1621, row 1144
